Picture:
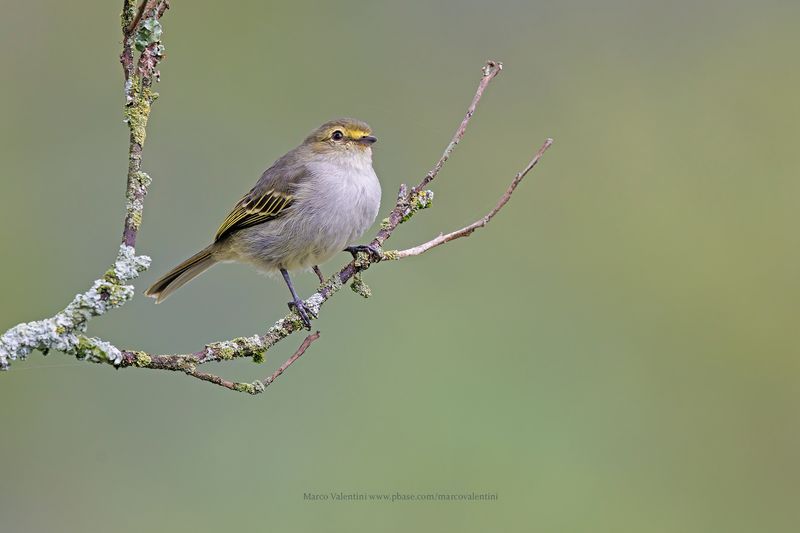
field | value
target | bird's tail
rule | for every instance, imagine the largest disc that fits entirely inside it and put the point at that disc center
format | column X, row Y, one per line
column 182, row 274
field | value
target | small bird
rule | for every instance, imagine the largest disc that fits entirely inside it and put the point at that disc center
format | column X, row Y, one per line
column 310, row 204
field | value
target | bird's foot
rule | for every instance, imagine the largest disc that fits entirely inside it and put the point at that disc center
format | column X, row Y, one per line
column 303, row 311
column 375, row 252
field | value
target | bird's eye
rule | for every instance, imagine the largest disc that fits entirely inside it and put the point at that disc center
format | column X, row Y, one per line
column 337, row 135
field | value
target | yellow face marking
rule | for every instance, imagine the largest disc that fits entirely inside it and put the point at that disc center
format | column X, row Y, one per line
column 356, row 133
column 350, row 133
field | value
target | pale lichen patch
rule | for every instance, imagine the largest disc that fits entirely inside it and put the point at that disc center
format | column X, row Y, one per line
column 60, row 331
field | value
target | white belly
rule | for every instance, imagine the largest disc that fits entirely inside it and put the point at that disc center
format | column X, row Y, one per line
column 344, row 204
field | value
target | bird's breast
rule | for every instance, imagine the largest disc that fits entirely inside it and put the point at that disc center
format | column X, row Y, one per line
column 343, row 200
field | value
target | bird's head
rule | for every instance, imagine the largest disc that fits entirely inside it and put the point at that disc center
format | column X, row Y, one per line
column 343, row 135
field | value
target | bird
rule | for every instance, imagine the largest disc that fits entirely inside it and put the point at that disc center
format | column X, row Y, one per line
column 311, row 204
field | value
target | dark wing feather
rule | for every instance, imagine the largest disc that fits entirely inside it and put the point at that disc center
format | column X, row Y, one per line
column 255, row 208
column 271, row 196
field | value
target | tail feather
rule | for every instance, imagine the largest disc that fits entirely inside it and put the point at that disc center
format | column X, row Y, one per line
column 182, row 274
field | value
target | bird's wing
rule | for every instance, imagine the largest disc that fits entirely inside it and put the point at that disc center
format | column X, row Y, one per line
column 270, row 197
column 254, row 208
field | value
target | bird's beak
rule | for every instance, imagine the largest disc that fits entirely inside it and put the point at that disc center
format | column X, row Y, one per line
column 367, row 140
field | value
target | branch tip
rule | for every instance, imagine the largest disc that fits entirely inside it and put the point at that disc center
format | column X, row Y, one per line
column 492, row 68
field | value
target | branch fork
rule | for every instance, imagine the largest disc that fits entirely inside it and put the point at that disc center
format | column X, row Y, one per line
column 65, row 331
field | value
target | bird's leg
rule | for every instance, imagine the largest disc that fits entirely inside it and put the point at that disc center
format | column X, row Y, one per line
column 375, row 252
column 298, row 304
column 319, row 274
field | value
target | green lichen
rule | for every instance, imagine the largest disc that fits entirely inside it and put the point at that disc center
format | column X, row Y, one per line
column 227, row 352
column 239, row 347
column 139, row 182
column 296, row 321
column 361, row 260
column 386, row 223
column 128, row 12
column 84, row 348
column 142, row 359
column 417, row 201
column 279, row 330
column 335, row 284
column 137, row 113
column 390, row 255
column 249, row 388
column 359, row 287
column 143, row 178
column 255, row 387
column 111, row 276
column 95, row 350
column 114, row 293
column 136, row 219
column 149, row 32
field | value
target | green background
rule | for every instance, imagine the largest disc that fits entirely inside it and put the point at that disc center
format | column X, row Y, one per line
column 617, row 351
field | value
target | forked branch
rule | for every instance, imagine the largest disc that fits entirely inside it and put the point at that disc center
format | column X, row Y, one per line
column 481, row 222
column 141, row 31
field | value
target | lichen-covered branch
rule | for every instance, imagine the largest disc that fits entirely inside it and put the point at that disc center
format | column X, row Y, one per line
column 64, row 331
column 257, row 386
column 141, row 29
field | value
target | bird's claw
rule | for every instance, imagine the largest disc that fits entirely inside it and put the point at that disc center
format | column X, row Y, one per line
column 375, row 252
column 303, row 311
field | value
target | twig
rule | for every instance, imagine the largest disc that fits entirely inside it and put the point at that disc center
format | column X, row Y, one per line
column 490, row 70
column 468, row 230
column 145, row 6
column 409, row 203
column 300, row 351
column 319, row 274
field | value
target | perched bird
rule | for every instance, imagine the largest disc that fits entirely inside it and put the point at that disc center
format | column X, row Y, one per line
column 310, row 204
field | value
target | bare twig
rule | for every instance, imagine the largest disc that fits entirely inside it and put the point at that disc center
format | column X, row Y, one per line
column 409, row 203
column 319, row 274
column 490, row 70
column 468, row 230
column 300, row 351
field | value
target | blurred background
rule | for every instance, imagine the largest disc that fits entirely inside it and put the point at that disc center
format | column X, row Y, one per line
column 617, row 351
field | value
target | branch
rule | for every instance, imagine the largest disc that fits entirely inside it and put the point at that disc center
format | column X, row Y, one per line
column 64, row 331
column 141, row 30
column 258, row 386
column 468, row 230
column 490, row 70
column 409, row 203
